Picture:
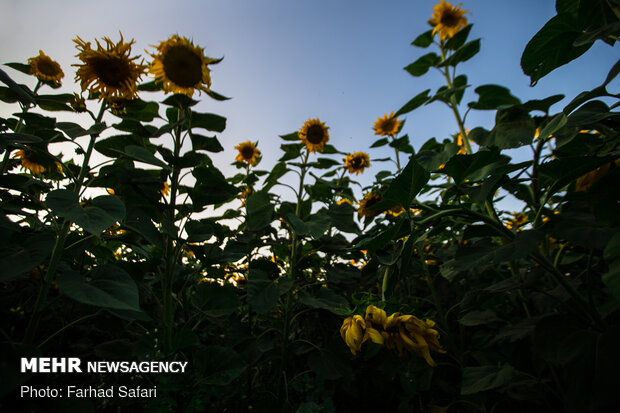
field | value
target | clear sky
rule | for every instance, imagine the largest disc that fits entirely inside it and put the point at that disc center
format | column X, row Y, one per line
column 289, row 60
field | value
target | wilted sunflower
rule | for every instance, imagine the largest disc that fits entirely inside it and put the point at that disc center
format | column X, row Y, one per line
column 370, row 199
column 78, row 103
column 28, row 162
column 247, row 153
column 447, row 20
column 352, row 332
column 45, row 69
column 181, row 67
column 108, row 70
column 357, row 162
column 387, row 125
column 314, row 135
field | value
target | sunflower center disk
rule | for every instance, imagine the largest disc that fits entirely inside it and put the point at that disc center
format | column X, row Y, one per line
column 47, row 67
column 113, row 71
column 182, row 66
column 247, row 152
column 449, row 19
column 315, row 134
column 356, row 163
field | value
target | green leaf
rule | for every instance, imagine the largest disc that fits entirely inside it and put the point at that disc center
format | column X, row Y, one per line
column 179, row 100
column 277, row 172
column 513, row 128
column 423, row 64
column 342, row 218
column 142, row 154
column 405, row 187
column 315, row 226
column 291, row 137
column 463, row 53
column 219, row 365
column 101, row 212
column 493, row 97
column 325, row 299
column 380, row 142
column 207, row 143
column 21, row 91
column 424, row 40
column 208, row 121
column 216, row 300
column 417, row 101
column 259, row 211
column 476, row 318
column 24, row 253
column 262, row 292
column 73, row 130
column 478, row 379
column 459, row 39
column 214, row 95
column 557, row 122
column 211, row 187
column 552, row 46
column 108, row 287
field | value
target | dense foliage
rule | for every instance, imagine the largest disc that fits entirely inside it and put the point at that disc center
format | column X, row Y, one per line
column 426, row 297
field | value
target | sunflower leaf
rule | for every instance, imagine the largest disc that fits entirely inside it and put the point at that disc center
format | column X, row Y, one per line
column 463, row 53
column 100, row 213
column 424, row 40
column 216, row 96
column 417, row 101
column 423, row 64
column 180, row 100
column 208, row 121
column 206, row 143
column 459, row 38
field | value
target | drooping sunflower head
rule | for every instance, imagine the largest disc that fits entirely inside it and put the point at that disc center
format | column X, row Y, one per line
column 370, row 199
column 29, row 162
column 108, row 70
column 314, row 135
column 248, row 153
column 447, row 20
column 388, row 125
column 46, row 69
column 181, row 67
column 357, row 162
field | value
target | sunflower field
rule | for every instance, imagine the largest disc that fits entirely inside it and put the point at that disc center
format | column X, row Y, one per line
column 290, row 287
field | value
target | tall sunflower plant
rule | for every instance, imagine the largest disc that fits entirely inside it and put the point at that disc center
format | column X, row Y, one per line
column 483, row 272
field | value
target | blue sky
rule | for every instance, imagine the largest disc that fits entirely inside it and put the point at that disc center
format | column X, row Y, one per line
column 286, row 61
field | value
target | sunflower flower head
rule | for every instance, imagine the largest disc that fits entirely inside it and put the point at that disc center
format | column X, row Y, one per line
column 352, row 332
column 388, row 125
column 29, row 162
column 181, row 67
column 398, row 331
column 109, row 69
column 45, row 69
column 164, row 189
column 248, row 153
column 314, row 135
column 78, row 103
column 370, row 199
column 356, row 162
column 447, row 20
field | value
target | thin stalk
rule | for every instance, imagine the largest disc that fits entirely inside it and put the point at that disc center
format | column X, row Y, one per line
column 60, row 243
column 453, row 104
column 170, row 248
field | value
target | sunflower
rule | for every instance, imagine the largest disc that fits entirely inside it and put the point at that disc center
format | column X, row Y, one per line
column 181, row 67
column 461, row 143
column 314, row 135
column 45, row 69
column 29, row 162
column 357, row 162
column 78, row 103
column 370, row 199
column 108, row 70
column 247, row 153
column 447, row 20
column 387, row 125
column 164, row 189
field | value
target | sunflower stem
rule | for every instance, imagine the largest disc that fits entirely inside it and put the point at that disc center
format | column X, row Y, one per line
column 60, row 243
column 453, row 104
